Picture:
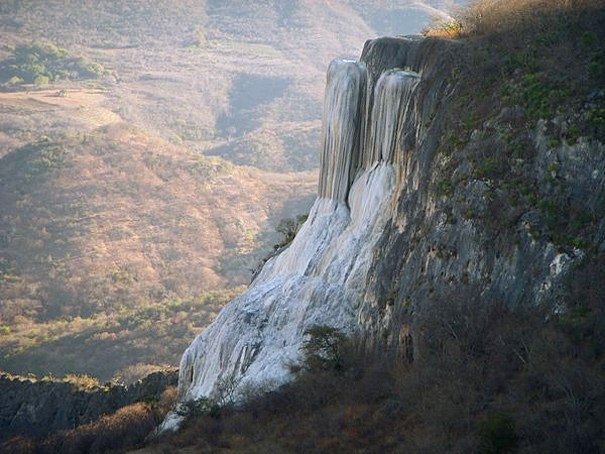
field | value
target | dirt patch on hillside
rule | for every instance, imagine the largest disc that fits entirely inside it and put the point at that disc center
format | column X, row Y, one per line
column 84, row 106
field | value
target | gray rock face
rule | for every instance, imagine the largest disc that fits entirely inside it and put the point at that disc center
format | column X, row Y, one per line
column 399, row 223
column 456, row 229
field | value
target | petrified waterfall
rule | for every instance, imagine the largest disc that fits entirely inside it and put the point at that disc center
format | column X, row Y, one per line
column 319, row 278
column 391, row 104
column 344, row 107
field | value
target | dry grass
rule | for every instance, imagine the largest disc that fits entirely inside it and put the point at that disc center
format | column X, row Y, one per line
column 485, row 17
column 125, row 429
column 74, row 108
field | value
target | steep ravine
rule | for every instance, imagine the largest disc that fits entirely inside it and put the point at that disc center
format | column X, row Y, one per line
column 405, row 221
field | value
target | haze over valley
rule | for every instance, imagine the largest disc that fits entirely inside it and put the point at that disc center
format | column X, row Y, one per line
column 150, row 152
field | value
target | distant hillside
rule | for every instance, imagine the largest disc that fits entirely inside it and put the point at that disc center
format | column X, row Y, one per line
column 134, row 204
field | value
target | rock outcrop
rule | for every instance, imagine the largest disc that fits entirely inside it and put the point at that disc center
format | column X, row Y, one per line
column 41, row 407
column 402, row 221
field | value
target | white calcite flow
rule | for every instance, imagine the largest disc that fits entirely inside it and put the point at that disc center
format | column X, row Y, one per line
column 320, row 277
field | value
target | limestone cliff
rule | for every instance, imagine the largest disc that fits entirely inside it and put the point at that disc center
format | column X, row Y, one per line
column 421, row 200
column 506, row 214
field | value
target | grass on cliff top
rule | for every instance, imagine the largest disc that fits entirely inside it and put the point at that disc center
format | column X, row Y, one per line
column 545, row 56
column 489, row 17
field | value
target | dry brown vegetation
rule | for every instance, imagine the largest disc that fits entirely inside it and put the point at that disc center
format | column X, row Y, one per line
column 127, row 428
column 135, row 204
column 488, row 379
column 483, row 17
column 489, row 17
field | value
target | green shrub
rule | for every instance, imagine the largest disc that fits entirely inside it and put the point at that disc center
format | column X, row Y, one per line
column 43, row 63
column 323, row 348
column 41, row 80
column 15, row 80
column 497, row 434
column 445, row 188
column 289, row 227
column 200, row 407
column 596, row 119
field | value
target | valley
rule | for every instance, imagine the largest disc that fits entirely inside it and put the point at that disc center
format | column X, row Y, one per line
column 135, row 203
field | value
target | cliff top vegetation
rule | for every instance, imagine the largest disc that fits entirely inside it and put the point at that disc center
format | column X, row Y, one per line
column 493, row 17
column 527, row 65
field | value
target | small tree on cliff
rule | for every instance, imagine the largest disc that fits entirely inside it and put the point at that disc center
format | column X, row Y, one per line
column 324, row 348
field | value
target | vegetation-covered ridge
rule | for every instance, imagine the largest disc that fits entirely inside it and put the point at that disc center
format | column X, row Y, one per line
column 41, row 63
column 532, row 79
column 51, row 408
column 520, row 128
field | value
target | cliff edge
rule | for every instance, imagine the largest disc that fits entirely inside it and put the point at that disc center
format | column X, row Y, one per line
column 453, row 172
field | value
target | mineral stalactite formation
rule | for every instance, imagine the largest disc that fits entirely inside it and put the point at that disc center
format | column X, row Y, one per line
column 320, row 278
column 391, row 104
column 356, row 137
column 344, row 108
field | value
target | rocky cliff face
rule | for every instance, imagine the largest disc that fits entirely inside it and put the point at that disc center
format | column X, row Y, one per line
column 38, row 408
column 505, row 216
column 417, row 206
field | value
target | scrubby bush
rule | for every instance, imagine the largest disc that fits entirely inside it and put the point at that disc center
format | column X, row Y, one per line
column 324, row 348
column 497, row 434
column 42, row 63
column 289, row 227
column 488, row 379
column 128, row 427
